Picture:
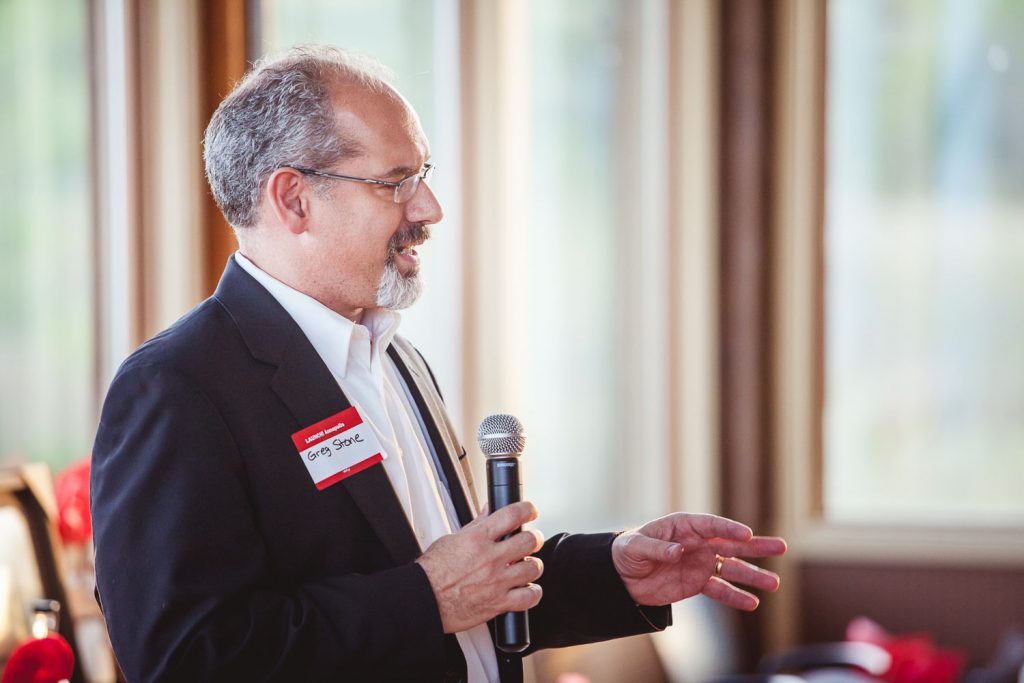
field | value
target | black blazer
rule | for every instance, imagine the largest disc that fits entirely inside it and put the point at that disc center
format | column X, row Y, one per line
column 217, row 559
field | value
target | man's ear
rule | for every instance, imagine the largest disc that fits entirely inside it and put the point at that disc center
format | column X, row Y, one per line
column 287, row 194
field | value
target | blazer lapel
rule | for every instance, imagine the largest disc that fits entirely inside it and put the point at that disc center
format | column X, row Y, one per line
column 306, row 386
column 450, row 454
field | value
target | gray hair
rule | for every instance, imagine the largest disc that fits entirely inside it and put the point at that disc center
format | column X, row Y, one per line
column 280, row 114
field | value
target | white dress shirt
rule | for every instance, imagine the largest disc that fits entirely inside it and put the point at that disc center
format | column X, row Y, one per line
column 356, row 356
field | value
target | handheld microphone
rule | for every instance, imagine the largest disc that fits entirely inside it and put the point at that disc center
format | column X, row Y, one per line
column 502, row 440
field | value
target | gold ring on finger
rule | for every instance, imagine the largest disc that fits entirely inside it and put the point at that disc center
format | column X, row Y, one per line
column 719, row 563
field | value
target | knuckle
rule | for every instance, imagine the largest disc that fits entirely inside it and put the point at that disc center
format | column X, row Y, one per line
column 538, row 566
column 526, row 570
column 523, row 599
column 528, row 542
column 510, row 517
column 474, row 535
column 630, row 541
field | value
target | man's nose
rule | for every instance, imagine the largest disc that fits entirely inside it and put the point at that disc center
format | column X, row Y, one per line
column 423, row 207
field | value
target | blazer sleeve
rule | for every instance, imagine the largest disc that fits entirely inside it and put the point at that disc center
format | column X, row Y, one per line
column 584, row 598
column 183, row 575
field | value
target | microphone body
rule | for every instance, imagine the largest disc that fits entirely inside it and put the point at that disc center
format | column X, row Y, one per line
column 504, row 486
column 502, row 440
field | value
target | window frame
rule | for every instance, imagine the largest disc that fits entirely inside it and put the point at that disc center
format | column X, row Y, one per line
column 798, row 339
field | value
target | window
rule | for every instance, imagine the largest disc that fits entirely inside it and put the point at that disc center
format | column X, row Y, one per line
column 47, row 406
column 924, row 238
column 566, row 261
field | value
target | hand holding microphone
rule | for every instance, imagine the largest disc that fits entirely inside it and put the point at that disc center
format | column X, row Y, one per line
column 485, row 569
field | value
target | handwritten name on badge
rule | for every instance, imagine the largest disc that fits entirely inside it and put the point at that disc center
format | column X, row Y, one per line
column 338, row 447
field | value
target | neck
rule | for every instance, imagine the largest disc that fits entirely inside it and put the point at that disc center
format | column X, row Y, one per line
column 283, row 274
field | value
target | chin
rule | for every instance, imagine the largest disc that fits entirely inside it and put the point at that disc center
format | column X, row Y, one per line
column 398, row 290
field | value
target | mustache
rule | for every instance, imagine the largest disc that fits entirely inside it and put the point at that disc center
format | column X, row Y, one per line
column 411, row 234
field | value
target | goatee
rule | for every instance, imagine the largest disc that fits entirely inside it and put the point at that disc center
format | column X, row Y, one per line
column 397, row 290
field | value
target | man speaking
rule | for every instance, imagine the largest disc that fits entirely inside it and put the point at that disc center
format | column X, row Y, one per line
column 278, row 493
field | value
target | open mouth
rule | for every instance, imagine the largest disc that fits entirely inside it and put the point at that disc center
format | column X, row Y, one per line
column 404, row 242
column 408, row 248
column 405, row 257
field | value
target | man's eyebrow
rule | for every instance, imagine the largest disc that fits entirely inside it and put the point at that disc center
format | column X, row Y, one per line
column 406, row 171
column 401, row 172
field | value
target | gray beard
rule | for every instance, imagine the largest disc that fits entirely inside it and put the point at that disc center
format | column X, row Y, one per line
column 397, row 291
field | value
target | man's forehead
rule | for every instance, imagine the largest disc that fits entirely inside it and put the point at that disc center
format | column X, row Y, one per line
column 381, row 126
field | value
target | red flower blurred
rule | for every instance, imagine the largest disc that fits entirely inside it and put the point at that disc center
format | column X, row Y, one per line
column 915, row 658
column 72, row 489
column 40, row 660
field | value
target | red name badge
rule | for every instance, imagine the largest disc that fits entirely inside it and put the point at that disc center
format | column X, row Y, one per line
column 337, row 447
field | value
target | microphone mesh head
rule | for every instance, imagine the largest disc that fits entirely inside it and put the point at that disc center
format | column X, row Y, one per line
column 501, row 434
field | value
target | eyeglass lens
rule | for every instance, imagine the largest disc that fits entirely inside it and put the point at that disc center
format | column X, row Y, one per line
column 407, row 188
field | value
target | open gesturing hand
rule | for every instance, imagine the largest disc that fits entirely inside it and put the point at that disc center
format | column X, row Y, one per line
column 675, row 557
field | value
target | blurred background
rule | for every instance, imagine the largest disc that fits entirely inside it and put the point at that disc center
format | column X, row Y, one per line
column 751, row 257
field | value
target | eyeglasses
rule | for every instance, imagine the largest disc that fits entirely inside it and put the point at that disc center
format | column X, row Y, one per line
column 404, row 188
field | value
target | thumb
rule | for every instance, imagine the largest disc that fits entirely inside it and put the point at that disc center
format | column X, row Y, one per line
column 640, row 548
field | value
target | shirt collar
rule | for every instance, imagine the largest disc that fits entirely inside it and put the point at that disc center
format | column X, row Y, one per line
column 329, row 332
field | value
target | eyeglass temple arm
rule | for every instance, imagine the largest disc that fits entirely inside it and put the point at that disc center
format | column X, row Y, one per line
column 367, row 181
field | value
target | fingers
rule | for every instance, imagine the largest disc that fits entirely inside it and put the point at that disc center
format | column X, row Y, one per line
column 729, row 595
column 511, row 517
column 733, row 571
column 525, row 594
column 520, row 545
column 527, row 570
column 506, row 520
column 641, row 547
column 726, row 536
column 738, row 571
column 713, row 526
column 758, row 546
column 523, row 598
